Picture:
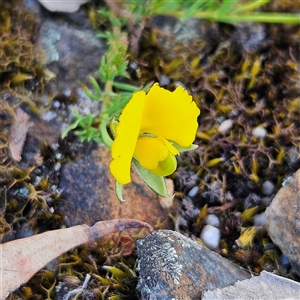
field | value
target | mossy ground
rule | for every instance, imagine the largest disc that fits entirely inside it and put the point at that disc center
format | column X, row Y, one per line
column 248, row 76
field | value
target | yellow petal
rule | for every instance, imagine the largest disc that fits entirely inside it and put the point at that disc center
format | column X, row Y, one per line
column 165, row 167
column 169, row 146
column 127, row 133
column 149, row 151
column 172, row 115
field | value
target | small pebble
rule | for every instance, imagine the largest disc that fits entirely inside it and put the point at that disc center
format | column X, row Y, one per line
column 49, row 115
column 57, row 167
column 268, row 188
column 285, row 261
column 56, row 104
column 211, row 235
column 164, row 80
column 24, row 191
column 260, row 219
column 193, row 192
column 58, row 155
column 212, row 220
column 225, row 125
column 259, row 132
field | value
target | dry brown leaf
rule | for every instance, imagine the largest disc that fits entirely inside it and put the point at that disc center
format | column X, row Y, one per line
column 17, row 134
column 21, row 259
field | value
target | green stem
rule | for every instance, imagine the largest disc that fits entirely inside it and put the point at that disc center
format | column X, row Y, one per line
column 105, row 117
column 107, row 141
column 287, row 18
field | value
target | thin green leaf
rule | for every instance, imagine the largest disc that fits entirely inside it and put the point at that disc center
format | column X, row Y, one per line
column 72, row 126
column 95, row 85
column 251, row 5
column 225, row 8
column 125, row 86
column 156, row 183
column 91, row 95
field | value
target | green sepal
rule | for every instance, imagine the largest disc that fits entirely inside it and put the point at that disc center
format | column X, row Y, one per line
column 182, row 149
column 156, row 183
column 119, row 191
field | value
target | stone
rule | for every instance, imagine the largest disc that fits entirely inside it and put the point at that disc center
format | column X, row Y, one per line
column 283, row 220
column 63, row 5
column 264, row 287
column 89, row 193
column 260, row 219
column 212, row 220
column 72, row 51
column 268, row 188
column 210, row 235
column 172, row 266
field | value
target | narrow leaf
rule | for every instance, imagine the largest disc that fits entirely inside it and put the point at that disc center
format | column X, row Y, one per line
column 119, row 191
column 95, row 85
column 125, row 86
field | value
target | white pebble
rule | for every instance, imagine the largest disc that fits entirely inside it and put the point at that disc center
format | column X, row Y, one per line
column 259, row 132
column 211, row 235
column 193, row 192
column 56, row 104
column 268, row 188
column 260, row 219
column 225, row 125
column 49, row 115
column 212, row 220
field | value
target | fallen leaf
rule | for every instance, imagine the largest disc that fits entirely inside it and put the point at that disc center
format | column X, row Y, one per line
column 21, row 259
column 17, row 134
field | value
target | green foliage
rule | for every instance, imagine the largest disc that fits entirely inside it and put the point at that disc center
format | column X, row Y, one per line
column 227, row 11
column 113, row 64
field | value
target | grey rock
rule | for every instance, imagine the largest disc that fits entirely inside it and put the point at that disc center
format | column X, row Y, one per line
column 264, row 287
column 283, row 220
column 72, row 51
column 89, row 192
column 172, row 266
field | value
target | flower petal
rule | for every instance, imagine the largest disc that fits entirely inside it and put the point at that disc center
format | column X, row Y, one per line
column 149, row 151
column 127, row 133
column 165, row 167
column 172, row 115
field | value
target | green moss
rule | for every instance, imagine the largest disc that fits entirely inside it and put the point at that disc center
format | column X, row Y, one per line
column 19, row 54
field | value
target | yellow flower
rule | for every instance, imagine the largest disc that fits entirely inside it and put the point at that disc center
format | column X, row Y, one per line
column 150, row 127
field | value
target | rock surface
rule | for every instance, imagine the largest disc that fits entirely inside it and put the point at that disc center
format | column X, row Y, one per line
column 264, row 287
column 89, row 193
column 283, row 219
column 173, row 266
column 72, row 50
